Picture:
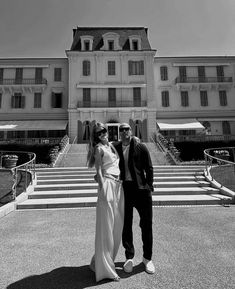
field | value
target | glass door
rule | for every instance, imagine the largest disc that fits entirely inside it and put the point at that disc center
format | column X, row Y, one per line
column 113, row 132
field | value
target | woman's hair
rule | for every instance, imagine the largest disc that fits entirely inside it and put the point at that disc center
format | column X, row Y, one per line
column 94, row 140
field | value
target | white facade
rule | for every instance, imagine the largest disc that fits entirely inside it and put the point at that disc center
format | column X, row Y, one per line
column 204, row 91
column 30, row 91
column 105, row 92
column 112, row 75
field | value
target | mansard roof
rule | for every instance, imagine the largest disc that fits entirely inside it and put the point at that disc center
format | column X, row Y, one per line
column 97, row 33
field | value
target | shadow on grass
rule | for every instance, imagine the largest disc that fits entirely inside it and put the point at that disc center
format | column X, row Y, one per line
column 69, row 278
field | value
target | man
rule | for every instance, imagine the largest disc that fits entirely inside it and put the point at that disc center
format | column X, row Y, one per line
column 137, row 176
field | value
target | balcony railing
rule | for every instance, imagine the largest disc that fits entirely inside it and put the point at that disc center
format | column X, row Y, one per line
column 199, row 138
column 203, row 79
column 99, row 104
column 28, row 141
column 25, row 81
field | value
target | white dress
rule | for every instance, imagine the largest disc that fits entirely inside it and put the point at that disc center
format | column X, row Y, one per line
column 109, row 218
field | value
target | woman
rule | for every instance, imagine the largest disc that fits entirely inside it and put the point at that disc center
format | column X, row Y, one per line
column 110, row 203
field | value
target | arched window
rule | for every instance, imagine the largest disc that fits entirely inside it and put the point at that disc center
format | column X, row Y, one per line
column 226, row 127
column 86, row 67
column 207, row 126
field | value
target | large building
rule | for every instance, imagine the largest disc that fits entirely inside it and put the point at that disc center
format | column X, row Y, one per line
column 112, row 75
column 195, row 96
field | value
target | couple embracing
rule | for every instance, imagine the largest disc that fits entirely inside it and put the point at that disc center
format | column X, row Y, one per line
column 124, row 174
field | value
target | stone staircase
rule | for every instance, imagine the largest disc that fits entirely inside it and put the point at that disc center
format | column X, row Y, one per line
column 74, row 157
column 77, row 153
column 70, row 187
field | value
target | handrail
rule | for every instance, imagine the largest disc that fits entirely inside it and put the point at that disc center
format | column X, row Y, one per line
column 28, row 167
column 166, row 147
column 65, row 154
column 224, row 166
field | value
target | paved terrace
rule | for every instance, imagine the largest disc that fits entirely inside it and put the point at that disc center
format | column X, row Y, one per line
column 50, row 249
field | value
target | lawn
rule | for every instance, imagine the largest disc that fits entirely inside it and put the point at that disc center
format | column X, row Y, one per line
column 6, row 180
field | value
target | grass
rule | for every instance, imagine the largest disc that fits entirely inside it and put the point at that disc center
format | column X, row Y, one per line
column 7, row 182
column 225, row 175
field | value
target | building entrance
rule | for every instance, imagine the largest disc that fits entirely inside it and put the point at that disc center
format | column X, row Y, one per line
column 113, row 131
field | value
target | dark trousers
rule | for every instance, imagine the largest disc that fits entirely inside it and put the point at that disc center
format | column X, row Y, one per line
column 142, row 201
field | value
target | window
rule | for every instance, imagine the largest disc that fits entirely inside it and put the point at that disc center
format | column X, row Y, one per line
column 86, row 67
column 220, row 73
column 86, row 97
column 204, row 98
column 135, row 44
column 19, row 75
column 111, row 41
column 111, row 68
column 137, row 96
column 110, row 45
column 163, row 72
column 56, row 100
column 223, row 97
column 37, row 99
column 207, row 126
column 57, row 74
column 184, row 98
column 226, row 127
column 1, row 75
column 112, row 97
column 187, row 132
column 201, row 74
column 86, row 45
column 183, row 73
column 16, row 134
column 18, row 100
column 86, row 42
column 136, row 67
column 37, row 133
column 165, row 98
column 38, row 75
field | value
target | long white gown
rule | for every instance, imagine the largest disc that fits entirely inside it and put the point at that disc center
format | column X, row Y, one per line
column 109, row 218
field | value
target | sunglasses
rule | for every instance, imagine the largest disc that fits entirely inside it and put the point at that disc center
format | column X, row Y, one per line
column 124, row 129
column 103, row 131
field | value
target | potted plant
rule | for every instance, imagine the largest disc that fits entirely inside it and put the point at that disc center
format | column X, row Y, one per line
column 9, row 161
column 222, row 154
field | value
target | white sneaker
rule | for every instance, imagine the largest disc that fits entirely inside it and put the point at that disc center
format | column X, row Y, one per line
column 149, row 266
column 128, row 266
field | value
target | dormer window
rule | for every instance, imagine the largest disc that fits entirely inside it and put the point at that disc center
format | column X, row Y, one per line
column 135, row 42
column 110, row 45
column 111, row 41
column 86, row 43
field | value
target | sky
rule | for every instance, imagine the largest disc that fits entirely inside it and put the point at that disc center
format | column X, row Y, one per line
column 43, row 28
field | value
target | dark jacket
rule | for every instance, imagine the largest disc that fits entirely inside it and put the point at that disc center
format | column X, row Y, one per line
column 139, row 163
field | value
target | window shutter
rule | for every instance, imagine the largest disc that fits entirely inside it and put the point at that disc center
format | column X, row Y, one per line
column 52, row 99
column 12, row 101
column 130, row 67
column 23, row 101
column 142, row 67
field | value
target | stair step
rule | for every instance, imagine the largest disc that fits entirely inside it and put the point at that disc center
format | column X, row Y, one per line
column 75, row 187
column 86, row 185
column 90, row 179
column 173, row 184
column 93, row 192
column 91, row 201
